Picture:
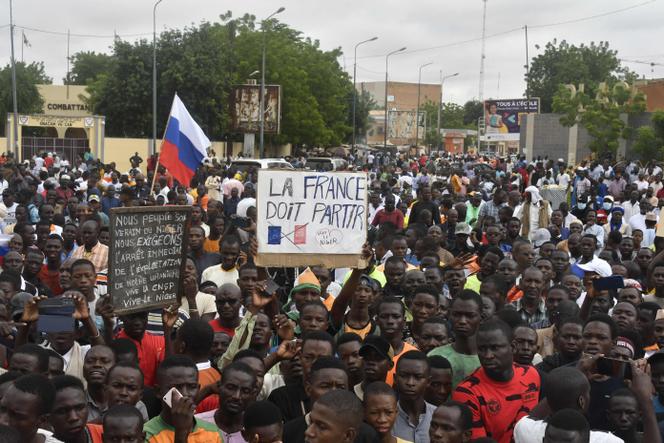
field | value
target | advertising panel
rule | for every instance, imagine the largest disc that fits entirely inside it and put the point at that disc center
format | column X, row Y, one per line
column 245, row 108
column 502, row 118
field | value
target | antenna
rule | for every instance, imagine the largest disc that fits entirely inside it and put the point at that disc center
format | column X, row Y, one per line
column 481, row 92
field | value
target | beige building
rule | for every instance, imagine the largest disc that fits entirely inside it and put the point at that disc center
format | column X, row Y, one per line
column 402, row 104
column 400, row 95
column 67, row 127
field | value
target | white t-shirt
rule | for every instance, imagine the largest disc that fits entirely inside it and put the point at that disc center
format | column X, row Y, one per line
column 528, row 430
column 563, row 180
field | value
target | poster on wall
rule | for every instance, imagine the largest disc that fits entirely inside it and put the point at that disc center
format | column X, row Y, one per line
column 245, row 108
column 502, row 118
column 311, row 218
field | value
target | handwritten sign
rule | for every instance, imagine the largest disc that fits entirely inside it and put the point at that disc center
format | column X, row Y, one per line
column 147, row 256
column 307, row 218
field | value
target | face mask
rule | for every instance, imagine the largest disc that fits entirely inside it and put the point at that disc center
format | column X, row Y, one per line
column 582, row 206
column 606, row 206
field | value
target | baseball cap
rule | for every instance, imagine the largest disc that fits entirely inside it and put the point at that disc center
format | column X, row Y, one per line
column 94, row 197
column 378, row 344
column 462, row 229
column 598, row 266
column 541, row 236
column 17, row 303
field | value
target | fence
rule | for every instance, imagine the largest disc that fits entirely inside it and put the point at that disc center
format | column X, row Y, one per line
column 66, row 148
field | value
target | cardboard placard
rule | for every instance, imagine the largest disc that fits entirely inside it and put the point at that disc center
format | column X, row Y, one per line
column 310, row 218
column 147, row 256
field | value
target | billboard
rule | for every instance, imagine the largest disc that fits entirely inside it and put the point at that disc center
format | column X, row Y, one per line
column 401, row 126
column 245, row 108
column 502, row 118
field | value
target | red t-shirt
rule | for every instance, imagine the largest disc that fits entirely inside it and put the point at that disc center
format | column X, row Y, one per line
column 51, row 279
column 395, row 217
column 497, row 406
column 150, row 353
column 217, row 327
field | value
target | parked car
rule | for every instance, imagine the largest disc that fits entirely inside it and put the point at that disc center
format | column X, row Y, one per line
column 325, row 164
column 260, row 163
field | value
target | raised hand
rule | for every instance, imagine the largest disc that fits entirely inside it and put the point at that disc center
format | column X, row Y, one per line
column 169, row 315
column 285, row 328
column 289, row 349
column 81, row 310
column 31, row 309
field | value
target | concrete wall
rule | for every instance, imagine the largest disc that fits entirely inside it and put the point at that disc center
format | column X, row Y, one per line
column 543, row 135
column 120, row 150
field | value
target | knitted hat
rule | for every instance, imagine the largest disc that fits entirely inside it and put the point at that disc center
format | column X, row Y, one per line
column 306, row 280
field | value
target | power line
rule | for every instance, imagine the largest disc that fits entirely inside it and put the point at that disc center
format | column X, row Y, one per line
column 520, row 28
column 591, row 17
column 44, row 31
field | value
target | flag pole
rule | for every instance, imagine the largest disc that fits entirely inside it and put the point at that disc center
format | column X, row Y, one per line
column 156, row 166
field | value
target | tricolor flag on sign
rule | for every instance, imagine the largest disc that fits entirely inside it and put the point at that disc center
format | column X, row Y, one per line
column 184, row 146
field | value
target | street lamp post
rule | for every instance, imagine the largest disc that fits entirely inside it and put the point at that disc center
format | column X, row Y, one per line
column 154, row 77
column 355, row 75
column 14, row 141
column 387, row 58
column 440, row 105
column 262, row 97
column 417, row 111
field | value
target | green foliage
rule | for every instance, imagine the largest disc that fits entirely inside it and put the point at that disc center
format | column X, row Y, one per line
column 473, row 110
column 364, row 104
column 87, row 66
column 562, row 64
column 600, row 113
column 453, row 116
column 27, row 95
column 649, row 142
column 202, row 63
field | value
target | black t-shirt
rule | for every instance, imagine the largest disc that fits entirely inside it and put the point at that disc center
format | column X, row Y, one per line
column 291, row 400
column 600, row 393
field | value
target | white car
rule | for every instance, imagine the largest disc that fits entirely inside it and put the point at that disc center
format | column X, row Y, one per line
column 260, row 163
column 326, row 164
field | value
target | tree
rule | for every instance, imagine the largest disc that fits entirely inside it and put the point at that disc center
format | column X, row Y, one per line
column 202, row 63
column 452, row 116
column 87, row 66
column 600, row 114
column 563, row 64
column 364, row 103
column 649, row 143
column 29, row 101
column 473, row 110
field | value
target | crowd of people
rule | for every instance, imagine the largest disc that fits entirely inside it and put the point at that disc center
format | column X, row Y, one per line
column 485, row 312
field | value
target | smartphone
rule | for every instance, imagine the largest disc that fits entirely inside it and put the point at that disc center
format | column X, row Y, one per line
column 270, row 288
column 608, row 283
column 56, row 315
column 171, row 395
column 614, row 368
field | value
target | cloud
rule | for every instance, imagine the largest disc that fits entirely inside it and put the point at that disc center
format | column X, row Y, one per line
column 417, row 24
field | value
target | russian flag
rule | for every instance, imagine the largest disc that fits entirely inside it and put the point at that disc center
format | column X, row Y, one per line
column 184, row 145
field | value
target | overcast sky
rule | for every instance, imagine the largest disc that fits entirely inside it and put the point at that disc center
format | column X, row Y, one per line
column 420, row 25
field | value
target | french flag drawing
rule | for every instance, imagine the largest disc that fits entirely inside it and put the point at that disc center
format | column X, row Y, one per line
column 184, row 146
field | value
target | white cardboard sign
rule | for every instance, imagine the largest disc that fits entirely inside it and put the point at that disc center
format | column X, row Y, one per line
column 307, row 212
